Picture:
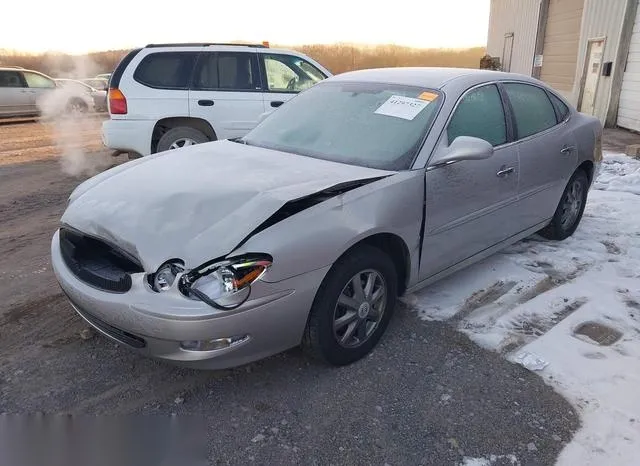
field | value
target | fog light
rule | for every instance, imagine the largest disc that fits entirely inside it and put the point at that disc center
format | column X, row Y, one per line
column 211, row 345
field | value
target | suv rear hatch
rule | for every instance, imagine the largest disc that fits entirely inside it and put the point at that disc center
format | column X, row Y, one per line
column 117, row 101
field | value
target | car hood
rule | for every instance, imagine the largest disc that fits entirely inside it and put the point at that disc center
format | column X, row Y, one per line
column 200, row 202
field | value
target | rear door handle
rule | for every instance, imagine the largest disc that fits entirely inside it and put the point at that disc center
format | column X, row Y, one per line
column 504, row 171
column 205, row 103
column 276, row 103
column 567, row 149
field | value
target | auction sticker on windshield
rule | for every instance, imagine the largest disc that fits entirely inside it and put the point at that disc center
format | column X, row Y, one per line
column 400, row 106
column 428, row 96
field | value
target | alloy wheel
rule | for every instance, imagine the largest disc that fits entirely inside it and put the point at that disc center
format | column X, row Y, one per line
column 182, row 142
column 571, row 204
column 359, row 309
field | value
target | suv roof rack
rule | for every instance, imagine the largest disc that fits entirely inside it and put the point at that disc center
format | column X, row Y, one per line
column 12, row 67
column 204, row 44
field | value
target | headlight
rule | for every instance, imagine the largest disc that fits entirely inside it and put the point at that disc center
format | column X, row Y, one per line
column 163, row 279
column 225, row 285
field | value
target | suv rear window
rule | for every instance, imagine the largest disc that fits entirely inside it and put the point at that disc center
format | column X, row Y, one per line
column 166, row 70
column 114, row 79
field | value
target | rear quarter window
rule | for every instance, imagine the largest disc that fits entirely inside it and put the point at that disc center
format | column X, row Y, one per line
column 166, row 70
column 561, row 109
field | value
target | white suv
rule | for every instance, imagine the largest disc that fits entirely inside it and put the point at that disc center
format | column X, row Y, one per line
column 165, row 96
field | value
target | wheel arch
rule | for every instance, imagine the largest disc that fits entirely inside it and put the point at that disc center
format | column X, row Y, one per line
column 395, row 247
column 587, row 166
column 165, row 124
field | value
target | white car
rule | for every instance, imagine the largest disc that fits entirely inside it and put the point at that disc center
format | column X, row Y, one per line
column 166, row 96
column 22, row 90
column 82, row 97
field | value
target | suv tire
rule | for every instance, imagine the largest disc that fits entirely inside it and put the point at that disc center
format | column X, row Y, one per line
column 180, row 137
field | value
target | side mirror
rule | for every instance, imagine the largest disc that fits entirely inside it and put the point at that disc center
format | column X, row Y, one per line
column 465, row 148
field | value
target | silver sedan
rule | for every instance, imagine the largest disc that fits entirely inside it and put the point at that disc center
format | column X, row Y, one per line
column 305, row 231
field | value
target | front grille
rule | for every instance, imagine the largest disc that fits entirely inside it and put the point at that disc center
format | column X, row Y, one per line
column 117, row 334
column 96, row 262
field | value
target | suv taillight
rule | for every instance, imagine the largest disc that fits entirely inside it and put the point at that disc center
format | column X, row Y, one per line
column 117, row 102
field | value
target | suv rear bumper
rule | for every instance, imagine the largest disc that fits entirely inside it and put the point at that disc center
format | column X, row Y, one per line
column 128, row 135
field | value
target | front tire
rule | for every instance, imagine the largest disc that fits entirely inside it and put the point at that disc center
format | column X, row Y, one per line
column 352, row 307
column 569, row 212
column 179, row 137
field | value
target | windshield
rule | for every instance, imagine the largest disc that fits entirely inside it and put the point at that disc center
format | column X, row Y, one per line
column 368, row 124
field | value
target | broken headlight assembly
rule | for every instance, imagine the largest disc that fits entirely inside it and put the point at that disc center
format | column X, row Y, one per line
column 167, row 273
column 224, row 285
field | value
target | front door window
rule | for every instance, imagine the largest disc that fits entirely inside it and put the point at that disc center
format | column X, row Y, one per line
column 287, row 73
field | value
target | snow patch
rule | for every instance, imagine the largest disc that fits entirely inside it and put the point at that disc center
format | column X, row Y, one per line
column 527, row 302
column 490, row 460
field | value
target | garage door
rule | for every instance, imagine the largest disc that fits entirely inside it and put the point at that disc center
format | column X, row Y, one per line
column 629, row 108
column 561, row 40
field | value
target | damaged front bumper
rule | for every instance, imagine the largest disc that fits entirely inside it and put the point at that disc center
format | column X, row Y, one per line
column 169, row 326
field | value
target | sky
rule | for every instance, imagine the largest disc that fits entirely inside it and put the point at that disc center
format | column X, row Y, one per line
column 77, row 26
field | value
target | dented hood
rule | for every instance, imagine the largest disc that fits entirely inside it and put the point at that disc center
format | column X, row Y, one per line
column 197, row 203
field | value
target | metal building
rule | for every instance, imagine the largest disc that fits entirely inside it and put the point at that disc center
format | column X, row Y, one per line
column 588, row 50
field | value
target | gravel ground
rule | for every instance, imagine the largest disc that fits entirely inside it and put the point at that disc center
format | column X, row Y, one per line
column 426, row 395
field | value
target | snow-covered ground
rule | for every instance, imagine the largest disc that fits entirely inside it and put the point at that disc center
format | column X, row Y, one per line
column 528, row 301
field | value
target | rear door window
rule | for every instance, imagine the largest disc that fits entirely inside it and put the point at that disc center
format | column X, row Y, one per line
column 10, row 79
column 480, row 114
column 166, row 70
column 532, row 109
column 227, row 71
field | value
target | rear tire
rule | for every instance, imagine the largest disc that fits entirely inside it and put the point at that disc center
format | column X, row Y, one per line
column 179, row 137
column 342, row 333
column 569, row 212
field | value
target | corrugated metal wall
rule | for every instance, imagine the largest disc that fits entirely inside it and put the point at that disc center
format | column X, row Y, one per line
column 629, row 108
column 561, row 43
column 570, row 26
column 519, row 17
column 601, row 19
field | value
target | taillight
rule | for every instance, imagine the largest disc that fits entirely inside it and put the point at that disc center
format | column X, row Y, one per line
column 117, row 102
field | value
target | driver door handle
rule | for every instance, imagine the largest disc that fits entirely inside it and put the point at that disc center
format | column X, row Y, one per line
column 567, row 150
column 276, row 103
column 504, row 171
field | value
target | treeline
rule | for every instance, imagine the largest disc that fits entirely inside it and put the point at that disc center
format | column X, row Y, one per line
column 60, row 65
column 337, row 57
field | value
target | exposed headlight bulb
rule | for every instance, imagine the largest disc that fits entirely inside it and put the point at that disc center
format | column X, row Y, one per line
column 166, row 275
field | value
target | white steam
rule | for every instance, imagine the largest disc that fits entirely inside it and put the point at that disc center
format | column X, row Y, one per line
column 75, row 127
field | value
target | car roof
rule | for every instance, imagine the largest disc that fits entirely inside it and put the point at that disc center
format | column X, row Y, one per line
column 14, row 68
column 429, row 77
column 190, row 47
